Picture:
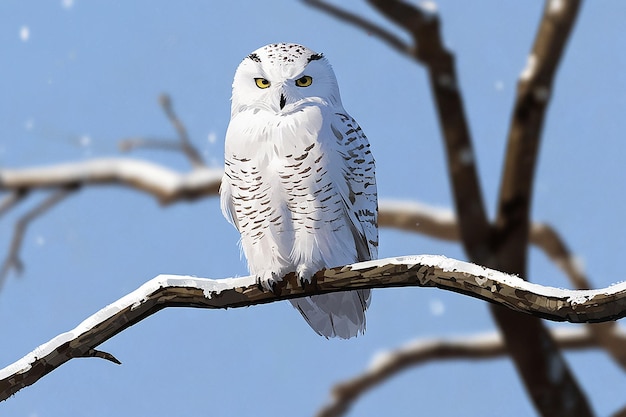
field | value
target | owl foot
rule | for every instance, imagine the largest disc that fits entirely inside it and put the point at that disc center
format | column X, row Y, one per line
column 305, row 274
column 268, row 279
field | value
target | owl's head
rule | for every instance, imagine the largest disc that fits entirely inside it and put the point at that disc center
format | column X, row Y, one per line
column 283, row 77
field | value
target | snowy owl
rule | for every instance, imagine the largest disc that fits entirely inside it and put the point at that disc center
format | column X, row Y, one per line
column 299, row 181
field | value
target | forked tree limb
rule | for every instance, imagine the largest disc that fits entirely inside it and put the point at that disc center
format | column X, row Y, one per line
column 183, row 144
column 429, row 50
column 12, row 260
column 369, row 27
column 423, row 271
column 534, row 352
column 386, row 365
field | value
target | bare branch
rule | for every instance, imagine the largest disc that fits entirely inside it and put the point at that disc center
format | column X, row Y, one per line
column 11, row 200
column 423, row 271
column 441, row 223
column 534, row 352
column 424, row 27
column 191, row 152
column 164, row 184
column 488, row 346
column 369, row 27
column 620, row 413
column 12, row 261
column 129, row 144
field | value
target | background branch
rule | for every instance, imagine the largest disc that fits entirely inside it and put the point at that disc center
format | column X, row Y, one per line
column 488, row 346
column 12, row 260
column 423, row 271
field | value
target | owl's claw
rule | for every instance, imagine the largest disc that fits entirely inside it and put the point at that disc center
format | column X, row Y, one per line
column 305, row 275
column 267, row 280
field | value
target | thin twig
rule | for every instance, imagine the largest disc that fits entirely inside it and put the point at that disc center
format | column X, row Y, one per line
column 489, row 346
column 422, row 271
column 11, row 200
column 13, row 261
column 189, row 150
column 130, row 144
column 371, row 28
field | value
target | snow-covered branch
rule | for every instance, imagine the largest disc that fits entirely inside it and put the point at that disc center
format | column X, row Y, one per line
column 421, row 351
column 161, row 182
column 421, row 270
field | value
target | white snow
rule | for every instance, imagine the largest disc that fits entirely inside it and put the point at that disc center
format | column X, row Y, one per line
column 437, row 307
column 499, row 85
column 24, row 33
column 29, row 124
column 212, row 138
column 428, row 7
column 556, row 6
column 84, row 140
column 210, row 287
column 438, row 214
column 67, row 4
column 531, row 67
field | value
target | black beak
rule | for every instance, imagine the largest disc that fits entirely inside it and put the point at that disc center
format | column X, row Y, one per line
column 283, row 100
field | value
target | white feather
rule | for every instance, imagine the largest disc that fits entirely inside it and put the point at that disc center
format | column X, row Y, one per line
column 299, row 181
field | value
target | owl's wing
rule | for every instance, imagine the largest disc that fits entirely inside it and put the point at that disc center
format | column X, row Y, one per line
column 358, row 192
column 226, row 200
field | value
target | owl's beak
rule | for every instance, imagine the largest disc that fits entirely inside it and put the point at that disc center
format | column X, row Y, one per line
column 283, row 100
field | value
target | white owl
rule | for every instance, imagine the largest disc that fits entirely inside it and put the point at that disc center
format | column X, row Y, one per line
column 299, row 181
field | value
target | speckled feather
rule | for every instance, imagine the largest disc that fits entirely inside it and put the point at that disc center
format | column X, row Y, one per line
column 299, row 181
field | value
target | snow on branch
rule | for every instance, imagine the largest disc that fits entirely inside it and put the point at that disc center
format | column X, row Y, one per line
column 420, row 270
column 165, row 184
column 386, row 365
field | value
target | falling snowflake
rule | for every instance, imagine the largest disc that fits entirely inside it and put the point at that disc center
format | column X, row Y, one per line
column 437, row 308
column 67, row 4
column 24, row 33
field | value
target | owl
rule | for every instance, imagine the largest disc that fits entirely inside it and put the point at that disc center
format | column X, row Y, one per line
column 299, row 180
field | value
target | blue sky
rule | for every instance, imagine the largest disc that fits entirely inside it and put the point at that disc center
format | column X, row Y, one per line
column 78, row 76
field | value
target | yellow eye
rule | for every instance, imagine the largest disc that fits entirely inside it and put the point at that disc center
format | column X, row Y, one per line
column 304, row 81
column 261, row 82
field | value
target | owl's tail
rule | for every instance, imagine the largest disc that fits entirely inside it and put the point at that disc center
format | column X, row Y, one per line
column 340, row 314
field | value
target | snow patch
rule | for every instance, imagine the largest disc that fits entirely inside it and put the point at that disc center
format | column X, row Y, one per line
column 210, row 287
column 428, row 7
column 529, row 70
column 556, row 6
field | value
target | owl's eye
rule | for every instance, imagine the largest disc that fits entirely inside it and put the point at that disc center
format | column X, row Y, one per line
column 304, row 81
column 261, row 82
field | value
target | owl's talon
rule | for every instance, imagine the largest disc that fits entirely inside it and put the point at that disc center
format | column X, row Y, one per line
column 268, row 280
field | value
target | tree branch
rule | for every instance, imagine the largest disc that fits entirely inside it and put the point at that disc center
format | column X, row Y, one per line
column 182, row 145
column 129, row 144
column 488, row 346
column 166, row 185
column 11, row 200
column 429, row 50
column 423, row 271
column 535, row 354
column 369, row 27
column 12, row 261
